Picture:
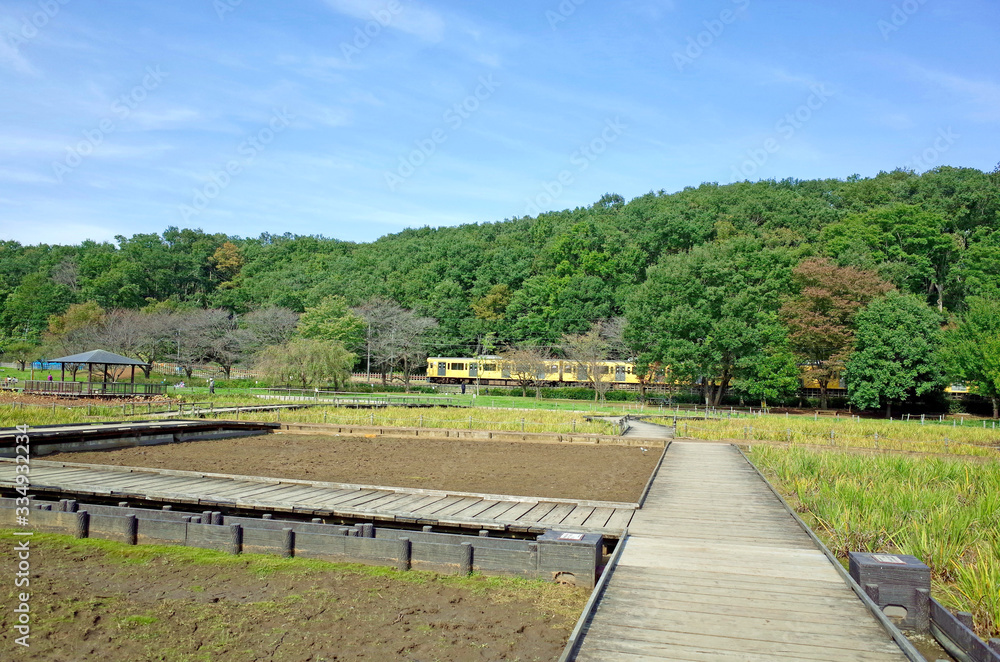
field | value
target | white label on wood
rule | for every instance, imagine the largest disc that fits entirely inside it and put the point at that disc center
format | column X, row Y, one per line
column 571, row 536
column 888, row 558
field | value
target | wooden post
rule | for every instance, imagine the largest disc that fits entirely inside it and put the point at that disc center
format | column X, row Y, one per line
column 403, row 562
column 235, row 539
column 288, row 546
column 131, row 530
column 82, row 524
column 465, row 565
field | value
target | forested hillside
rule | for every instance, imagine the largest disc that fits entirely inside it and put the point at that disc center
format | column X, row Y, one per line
column 715, row 280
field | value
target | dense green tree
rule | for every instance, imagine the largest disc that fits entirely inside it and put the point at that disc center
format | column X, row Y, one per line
column 971, row 350
column 908, row 246
column 21, row 352
column 895, row 352
column 332, row 319
column 28, row 308
column 710, row 314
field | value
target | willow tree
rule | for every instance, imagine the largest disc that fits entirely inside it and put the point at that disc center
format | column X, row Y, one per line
column 307, row 361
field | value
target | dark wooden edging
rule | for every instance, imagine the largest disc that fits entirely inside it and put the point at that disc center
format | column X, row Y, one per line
column 958, row 639
column 909, row 650
column 438, row 552
column 652, row 476
column 576, row 636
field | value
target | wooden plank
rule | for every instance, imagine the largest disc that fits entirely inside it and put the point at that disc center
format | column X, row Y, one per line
column 578, row 516
column 386, row 501
column 620, row 519
column 497, row 510
column 536, row 512
column 599, row 518
column 517, row 510
column 474, row 510
column 456, row 507
column 557, row 514
column 353, row 501
column 432, row 508
column 420, row 501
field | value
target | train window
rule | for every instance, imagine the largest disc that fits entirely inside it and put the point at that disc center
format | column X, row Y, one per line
column 489, row 367
column 457, row 366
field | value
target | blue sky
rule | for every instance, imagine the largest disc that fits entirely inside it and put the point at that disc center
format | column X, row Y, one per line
column 356, row 118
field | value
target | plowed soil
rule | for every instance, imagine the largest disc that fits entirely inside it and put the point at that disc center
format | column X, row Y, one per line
column 569, row 471
column 92, row 600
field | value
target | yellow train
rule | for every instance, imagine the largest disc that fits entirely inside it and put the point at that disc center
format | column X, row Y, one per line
column 497, row 371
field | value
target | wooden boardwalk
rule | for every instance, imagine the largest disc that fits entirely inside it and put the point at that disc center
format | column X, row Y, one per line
column 714, row 568
column 323, row 499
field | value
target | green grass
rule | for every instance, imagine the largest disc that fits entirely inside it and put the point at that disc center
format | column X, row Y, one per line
column 845, row 432
column 945, row 512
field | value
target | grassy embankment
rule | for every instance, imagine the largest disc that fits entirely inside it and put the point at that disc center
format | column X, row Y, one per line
column 979, row 438
column 945, row 511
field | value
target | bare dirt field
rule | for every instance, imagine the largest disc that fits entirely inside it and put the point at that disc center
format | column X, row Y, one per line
column 570, row 471
column 94, row 600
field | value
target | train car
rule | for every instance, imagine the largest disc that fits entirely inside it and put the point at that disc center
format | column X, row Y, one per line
column 497, row 371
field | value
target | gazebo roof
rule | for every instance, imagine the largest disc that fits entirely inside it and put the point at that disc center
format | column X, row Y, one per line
column 98, row 356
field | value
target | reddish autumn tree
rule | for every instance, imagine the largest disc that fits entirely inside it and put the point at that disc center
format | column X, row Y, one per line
column 820, row 319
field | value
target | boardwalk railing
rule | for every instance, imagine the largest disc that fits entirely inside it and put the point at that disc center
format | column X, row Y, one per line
column 106, row 389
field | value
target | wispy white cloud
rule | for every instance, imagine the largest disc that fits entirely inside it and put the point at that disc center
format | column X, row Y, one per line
column 11, row 58
column 982, row 97
column 24, row 176
column 413, row 19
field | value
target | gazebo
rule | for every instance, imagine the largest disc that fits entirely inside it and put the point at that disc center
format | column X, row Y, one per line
column 103, row 388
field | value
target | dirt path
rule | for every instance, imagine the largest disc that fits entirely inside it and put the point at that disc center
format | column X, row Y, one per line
column 139, row 604
column 568, row 471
